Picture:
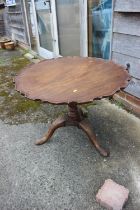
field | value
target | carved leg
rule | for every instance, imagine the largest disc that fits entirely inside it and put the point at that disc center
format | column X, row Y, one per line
column 86, row 127
column 60, row 122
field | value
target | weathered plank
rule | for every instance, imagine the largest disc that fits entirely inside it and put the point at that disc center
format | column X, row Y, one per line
column 6, row 20
column 124, row 59
column 127, row 5
column 16, row 25
column 134, row 88
column 2, row 31
column 17, row 31
column 127, row 23
column 126, row 44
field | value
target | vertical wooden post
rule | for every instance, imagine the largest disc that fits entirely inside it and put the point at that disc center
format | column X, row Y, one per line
column 90, row 28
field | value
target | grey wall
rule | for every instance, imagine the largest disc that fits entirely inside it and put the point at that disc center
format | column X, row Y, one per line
column 126, row 40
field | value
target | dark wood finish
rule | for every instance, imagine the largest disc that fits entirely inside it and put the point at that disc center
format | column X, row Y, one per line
column 60, row 122
column 72, row 80
column 75, row 117
column 86, row 127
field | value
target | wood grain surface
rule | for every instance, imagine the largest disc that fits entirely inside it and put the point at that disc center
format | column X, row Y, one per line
column 71, row 79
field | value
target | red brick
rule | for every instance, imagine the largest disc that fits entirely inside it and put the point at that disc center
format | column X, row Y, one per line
column 130, row 102
column 133, row 99
column 112, row 195
column 129, row 98
column 136, row 109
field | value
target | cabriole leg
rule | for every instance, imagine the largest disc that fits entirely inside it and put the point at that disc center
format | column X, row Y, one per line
column 60, row 122
column 86, row 127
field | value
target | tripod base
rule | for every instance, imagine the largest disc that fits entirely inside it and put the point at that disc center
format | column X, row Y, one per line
column 75, row 117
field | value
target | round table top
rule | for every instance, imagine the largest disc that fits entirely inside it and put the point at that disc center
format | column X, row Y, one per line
column 71, row 79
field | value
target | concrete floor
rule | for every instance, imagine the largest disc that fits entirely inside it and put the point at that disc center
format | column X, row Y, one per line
column 67, row 172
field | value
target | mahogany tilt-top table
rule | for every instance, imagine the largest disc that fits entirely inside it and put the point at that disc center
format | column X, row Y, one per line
column 72, row 81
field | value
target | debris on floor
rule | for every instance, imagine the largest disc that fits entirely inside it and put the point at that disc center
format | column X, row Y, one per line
column 112, row 195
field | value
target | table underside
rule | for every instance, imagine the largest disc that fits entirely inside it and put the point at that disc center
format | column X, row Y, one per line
column 74, row 117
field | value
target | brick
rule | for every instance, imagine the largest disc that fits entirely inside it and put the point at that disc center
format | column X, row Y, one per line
column 116, row 97
column 136, row 109
column 130, row 102
column 129, row 98
column 112, row 195
column 133, row 99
